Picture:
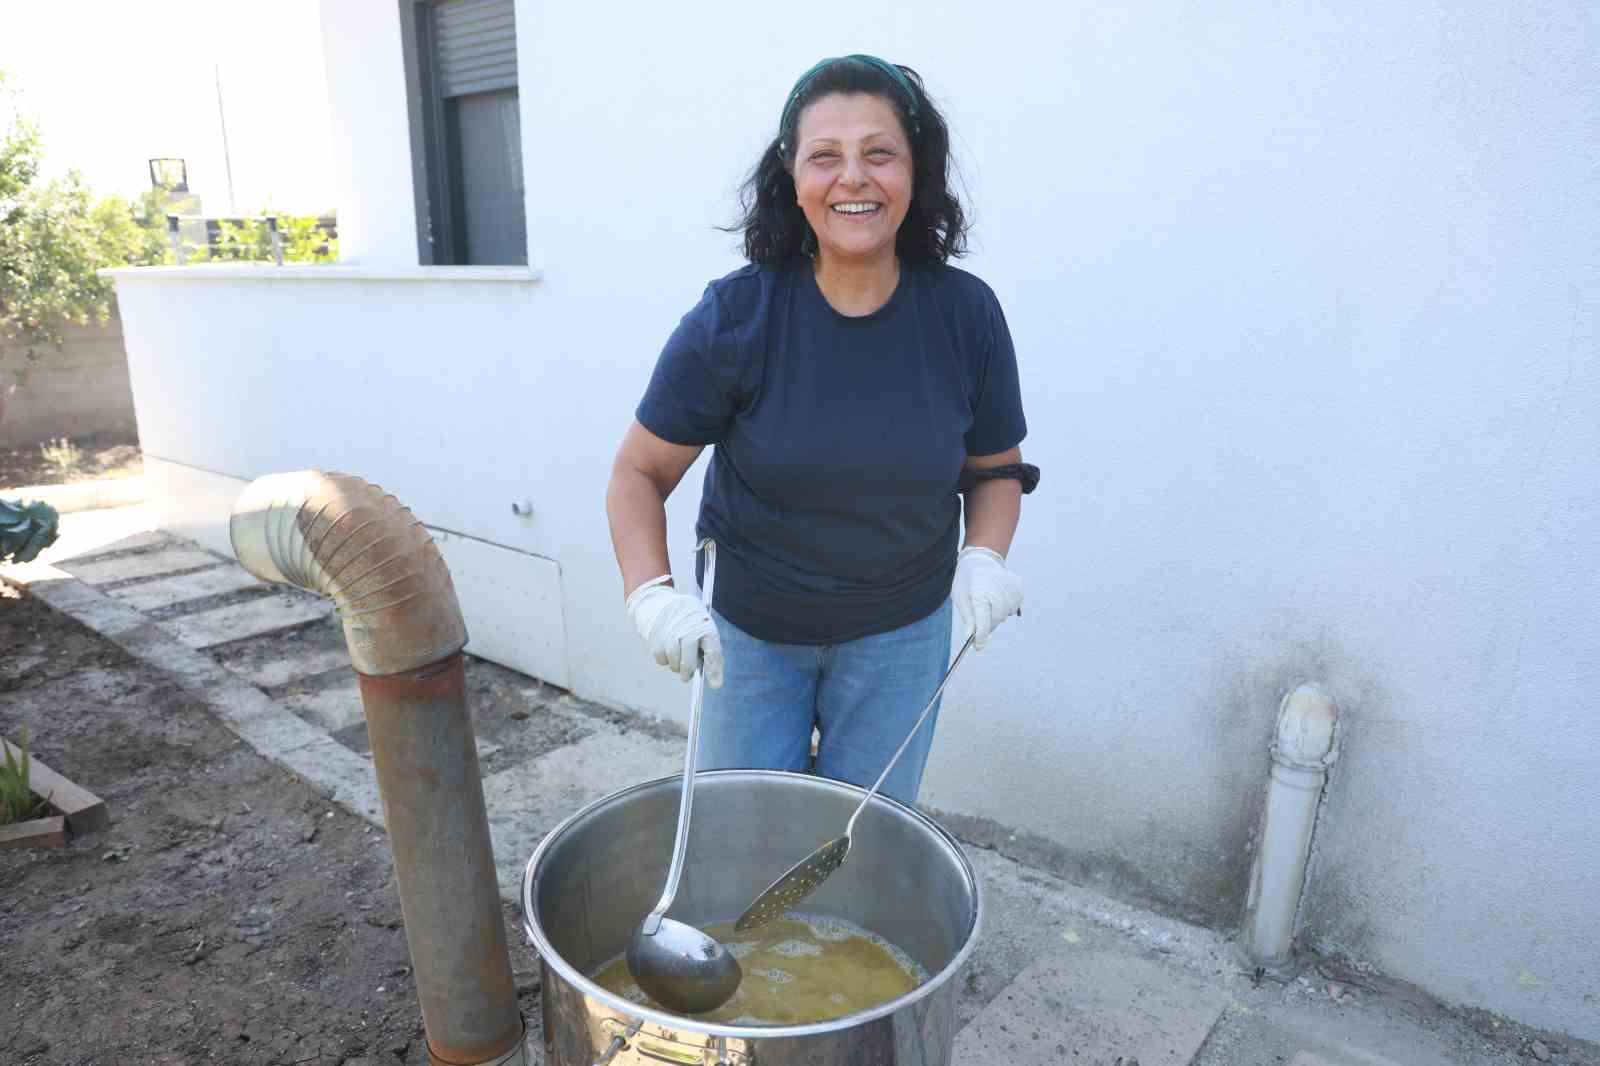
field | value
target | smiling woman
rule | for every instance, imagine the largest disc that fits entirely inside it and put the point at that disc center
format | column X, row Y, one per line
column 863, row 401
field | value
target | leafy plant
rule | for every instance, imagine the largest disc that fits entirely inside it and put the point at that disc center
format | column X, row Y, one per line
column 17, row 801
column 26, row 530
column 19, row 151
column 305, row 241
column 64, row 456
column 302, row 237
column 55, row 236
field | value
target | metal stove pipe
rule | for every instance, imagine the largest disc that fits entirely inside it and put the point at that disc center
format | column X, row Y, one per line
column 341, row 536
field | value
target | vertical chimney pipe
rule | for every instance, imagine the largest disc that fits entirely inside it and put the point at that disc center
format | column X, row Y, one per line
column 340, row 536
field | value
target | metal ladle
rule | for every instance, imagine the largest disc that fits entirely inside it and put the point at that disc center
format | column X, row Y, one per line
column 676, row 964
column 804, row 876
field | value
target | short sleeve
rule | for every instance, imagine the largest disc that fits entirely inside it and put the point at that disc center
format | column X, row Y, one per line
column 997, row 420
column 687, row 400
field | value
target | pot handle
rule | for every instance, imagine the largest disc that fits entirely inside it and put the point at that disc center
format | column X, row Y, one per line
column 618, row 1042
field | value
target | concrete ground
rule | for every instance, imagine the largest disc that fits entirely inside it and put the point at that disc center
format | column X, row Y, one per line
column 1061, row 974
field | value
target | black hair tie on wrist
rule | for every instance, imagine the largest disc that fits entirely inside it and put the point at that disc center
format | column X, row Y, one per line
column 1026, row 473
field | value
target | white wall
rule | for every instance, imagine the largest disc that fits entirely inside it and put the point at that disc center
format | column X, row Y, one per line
column 371, row 132
column 1304, row 307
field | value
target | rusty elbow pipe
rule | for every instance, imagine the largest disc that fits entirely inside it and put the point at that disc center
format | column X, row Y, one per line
column 341, row 536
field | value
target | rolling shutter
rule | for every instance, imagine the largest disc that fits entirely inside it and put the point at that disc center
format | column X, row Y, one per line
column 477, row 46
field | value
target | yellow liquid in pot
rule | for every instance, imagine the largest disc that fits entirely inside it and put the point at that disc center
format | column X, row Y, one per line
column 797, row 970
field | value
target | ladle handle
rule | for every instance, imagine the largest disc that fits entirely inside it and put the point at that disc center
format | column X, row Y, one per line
column 850, row 826
column 680, row 844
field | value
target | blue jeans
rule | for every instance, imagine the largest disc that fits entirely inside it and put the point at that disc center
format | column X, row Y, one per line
column 863, row 695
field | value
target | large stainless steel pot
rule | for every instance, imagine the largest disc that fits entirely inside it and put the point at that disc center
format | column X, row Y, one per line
column 592, row 878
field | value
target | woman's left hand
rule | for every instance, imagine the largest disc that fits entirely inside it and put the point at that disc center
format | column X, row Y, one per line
column 985, row 592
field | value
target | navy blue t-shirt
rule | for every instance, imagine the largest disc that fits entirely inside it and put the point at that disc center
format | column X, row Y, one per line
column 832, row 490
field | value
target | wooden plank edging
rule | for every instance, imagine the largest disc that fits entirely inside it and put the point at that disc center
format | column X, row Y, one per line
column 35, row 833
column 84, row 811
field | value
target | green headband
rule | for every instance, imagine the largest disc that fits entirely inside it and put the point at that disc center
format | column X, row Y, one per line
column 895, row 74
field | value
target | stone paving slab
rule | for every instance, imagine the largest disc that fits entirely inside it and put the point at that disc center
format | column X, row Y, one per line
column 277, row 733
column 334, row 708
column 277, row 672
column 338, row 772
column 209, row 628
column 167, row 591
column 1094, row 1007
column 527, row 801
column 149, row 539
column 1305, row 1028
column 148, row 564
column 1349, row 1058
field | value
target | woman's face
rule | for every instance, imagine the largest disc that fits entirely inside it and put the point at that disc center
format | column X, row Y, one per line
column 852, row 175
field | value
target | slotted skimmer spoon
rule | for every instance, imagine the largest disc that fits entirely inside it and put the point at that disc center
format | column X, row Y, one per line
column 676, row 964
column 804, row 876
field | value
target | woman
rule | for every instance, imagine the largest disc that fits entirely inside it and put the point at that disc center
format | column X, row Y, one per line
column 857, row 390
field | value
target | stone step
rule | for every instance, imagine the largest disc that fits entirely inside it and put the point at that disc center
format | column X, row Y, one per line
column 167, row 591
column 147, row 564
column 334, row 708
column 264, row 615
column 1093, row 1008
column 274, row 672
column 527, row 801
column 339, row 707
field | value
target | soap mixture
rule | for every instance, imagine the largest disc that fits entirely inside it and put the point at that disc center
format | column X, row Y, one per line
column 799, row 969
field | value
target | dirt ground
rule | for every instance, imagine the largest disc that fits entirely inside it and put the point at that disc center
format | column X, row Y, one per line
column 229, row 914
column 97, row 455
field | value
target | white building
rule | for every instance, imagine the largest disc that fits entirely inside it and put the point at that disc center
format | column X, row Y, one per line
column 1304, row 300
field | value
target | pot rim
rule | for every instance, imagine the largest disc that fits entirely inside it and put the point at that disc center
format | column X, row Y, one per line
column 552, row 958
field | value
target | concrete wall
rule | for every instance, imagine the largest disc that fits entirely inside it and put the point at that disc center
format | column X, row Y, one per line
column 1304, row 306
column 370, row 130
column 69, row 390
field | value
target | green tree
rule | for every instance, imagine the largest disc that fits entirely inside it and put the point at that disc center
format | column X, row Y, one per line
column 55, row 236
column 19, row 151
column 303, row 239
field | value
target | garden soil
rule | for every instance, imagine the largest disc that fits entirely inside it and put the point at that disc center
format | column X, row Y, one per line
column 92, row 457
column 229, row 914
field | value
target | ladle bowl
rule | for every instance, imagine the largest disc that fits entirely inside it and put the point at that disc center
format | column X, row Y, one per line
column 681, row 967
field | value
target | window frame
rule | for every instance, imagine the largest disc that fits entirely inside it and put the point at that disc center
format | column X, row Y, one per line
column 435, row 171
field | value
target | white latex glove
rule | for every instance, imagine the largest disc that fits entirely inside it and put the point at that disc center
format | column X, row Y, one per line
column 985, row 592
column 677, row 629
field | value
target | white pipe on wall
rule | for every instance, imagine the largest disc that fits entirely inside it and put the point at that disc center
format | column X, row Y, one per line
column 1301, row 754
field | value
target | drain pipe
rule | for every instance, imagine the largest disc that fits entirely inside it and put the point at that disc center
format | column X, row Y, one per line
column 1302, row 752
column 345, row 538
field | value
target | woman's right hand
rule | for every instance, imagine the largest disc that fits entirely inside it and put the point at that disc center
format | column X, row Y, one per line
column 677, row 629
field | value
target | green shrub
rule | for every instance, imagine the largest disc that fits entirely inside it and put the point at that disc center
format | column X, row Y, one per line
column 55, row 236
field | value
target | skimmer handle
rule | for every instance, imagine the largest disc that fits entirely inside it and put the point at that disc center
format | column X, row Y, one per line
column 680, row 844
column 850, row 826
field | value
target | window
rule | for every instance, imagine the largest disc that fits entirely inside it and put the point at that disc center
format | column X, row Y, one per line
column 466, row 136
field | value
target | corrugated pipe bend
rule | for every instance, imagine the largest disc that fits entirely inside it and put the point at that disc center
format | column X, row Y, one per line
column 346, row 538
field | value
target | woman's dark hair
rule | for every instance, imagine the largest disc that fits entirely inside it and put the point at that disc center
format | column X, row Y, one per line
column 935, row 226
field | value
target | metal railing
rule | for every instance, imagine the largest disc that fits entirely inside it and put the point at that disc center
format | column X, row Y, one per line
column 182, row 255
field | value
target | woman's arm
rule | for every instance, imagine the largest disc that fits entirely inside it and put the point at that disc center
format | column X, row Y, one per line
column 643, row 475
column 993, row 507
